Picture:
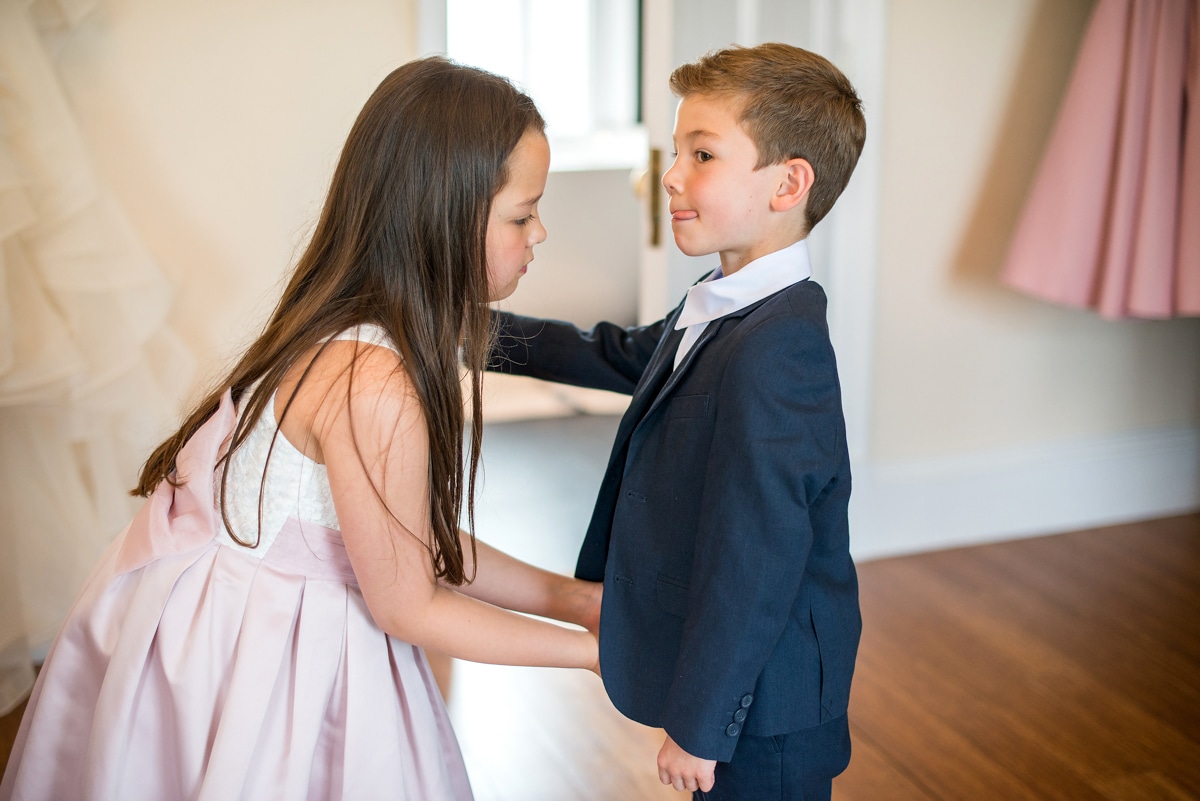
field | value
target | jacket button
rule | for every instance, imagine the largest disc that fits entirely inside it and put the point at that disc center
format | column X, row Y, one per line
column 732, row 729
column 747, row 699
column 740, row 715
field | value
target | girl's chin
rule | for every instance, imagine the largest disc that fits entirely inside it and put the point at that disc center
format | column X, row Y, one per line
column 503, row 293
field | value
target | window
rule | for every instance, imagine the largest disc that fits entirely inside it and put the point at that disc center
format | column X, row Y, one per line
column 578, row 60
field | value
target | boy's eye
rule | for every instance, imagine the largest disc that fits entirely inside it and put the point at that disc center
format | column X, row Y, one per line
column 703, row 156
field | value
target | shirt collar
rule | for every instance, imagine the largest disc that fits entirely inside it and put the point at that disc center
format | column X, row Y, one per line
column 719, row 295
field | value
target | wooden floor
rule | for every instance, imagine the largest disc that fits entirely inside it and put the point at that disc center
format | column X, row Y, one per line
column 1055, row 668
column 1063, row 667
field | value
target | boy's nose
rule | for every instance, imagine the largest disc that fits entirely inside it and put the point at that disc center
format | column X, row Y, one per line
column 670, row 180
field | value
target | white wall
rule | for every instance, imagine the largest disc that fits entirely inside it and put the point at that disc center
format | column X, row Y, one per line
column 587, row 269
column 217, row 125
column 994, row 414
column 964, row 364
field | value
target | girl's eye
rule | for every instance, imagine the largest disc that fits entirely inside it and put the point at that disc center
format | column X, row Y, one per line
column 703, row 156
column 524, row 220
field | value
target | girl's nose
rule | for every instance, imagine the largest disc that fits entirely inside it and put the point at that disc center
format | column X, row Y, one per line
column 538, row 235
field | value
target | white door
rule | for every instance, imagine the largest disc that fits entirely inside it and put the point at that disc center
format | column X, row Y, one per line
column 851, row 34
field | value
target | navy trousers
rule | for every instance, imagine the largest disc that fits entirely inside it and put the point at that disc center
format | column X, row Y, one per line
column 799, row 766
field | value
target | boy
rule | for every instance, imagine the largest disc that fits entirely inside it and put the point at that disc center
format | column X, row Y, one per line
column 730, row 614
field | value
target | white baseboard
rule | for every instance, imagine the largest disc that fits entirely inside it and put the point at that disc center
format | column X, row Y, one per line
column 1022, row 492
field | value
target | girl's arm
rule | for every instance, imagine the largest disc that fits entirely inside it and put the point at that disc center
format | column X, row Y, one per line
column 375, row 448
column 508, row 582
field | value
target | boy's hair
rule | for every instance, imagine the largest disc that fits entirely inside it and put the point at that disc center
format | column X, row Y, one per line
column 793, row 104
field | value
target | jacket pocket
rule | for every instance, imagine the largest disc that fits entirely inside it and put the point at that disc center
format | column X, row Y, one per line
column 686, row 406
column 671, row 595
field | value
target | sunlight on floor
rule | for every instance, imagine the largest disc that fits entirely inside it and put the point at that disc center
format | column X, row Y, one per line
column 536, row 734
column 539, row 734
column 508, row 397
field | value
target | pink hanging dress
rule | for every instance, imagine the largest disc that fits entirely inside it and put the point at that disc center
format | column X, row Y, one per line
column 1112, row 221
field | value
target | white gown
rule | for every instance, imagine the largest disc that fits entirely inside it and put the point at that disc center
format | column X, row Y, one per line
column 90, row 371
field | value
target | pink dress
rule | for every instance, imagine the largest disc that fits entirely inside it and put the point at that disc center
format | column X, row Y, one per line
column 1112, row 221
column 192, row 667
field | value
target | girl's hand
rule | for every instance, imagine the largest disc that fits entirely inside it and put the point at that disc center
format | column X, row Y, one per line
column 595, row 668
column 588, row 595
column 683, row 771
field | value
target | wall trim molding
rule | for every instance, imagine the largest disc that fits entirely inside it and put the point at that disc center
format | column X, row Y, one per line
column 1027, row 491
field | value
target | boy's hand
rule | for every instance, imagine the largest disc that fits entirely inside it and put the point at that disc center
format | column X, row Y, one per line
column 683, row 771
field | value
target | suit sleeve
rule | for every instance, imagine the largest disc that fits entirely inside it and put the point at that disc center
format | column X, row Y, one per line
column 778, row 445
column 606, row 357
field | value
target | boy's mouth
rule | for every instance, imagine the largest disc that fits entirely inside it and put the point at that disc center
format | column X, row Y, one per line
column 687, row 214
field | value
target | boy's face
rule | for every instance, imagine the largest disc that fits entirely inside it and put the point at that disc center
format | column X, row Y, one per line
column 719, row 202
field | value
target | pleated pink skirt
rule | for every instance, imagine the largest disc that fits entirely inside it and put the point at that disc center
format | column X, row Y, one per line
column 189, row 669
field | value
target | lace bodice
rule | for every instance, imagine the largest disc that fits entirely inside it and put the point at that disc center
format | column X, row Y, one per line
column 296, row 486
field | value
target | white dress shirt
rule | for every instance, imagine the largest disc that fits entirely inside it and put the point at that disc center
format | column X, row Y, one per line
column 719, row 295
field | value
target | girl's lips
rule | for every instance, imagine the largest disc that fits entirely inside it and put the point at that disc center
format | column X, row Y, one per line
column 688, row 214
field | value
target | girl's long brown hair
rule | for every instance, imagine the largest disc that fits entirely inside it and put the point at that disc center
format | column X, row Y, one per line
column 401, row 242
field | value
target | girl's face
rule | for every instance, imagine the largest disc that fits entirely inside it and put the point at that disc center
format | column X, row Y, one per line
column 513, row 226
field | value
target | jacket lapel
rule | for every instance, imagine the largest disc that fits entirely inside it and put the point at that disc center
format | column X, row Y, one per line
column 657, row 383
column 593, row 554
column 650, row 388
column 659, row 389
column 673, row 374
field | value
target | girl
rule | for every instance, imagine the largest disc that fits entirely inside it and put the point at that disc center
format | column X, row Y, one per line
column 257, row 631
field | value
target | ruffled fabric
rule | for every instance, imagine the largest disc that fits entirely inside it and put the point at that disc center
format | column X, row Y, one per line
column 89, row 369
column 189, row 669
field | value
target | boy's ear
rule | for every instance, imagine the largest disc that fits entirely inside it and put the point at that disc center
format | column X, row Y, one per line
column 795, row 183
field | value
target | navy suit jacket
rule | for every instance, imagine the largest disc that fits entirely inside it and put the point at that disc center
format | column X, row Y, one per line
column 720, row 530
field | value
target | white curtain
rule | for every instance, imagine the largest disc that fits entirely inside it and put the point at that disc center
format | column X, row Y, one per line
column 89, row 370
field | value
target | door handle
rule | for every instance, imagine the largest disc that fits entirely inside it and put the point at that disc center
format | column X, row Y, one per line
column 647, row 185
column 655, row 204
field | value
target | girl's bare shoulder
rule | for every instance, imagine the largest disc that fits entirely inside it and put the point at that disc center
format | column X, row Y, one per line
column 343, row 383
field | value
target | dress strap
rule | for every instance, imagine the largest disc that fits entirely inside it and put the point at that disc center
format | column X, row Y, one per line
column 370, row 333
